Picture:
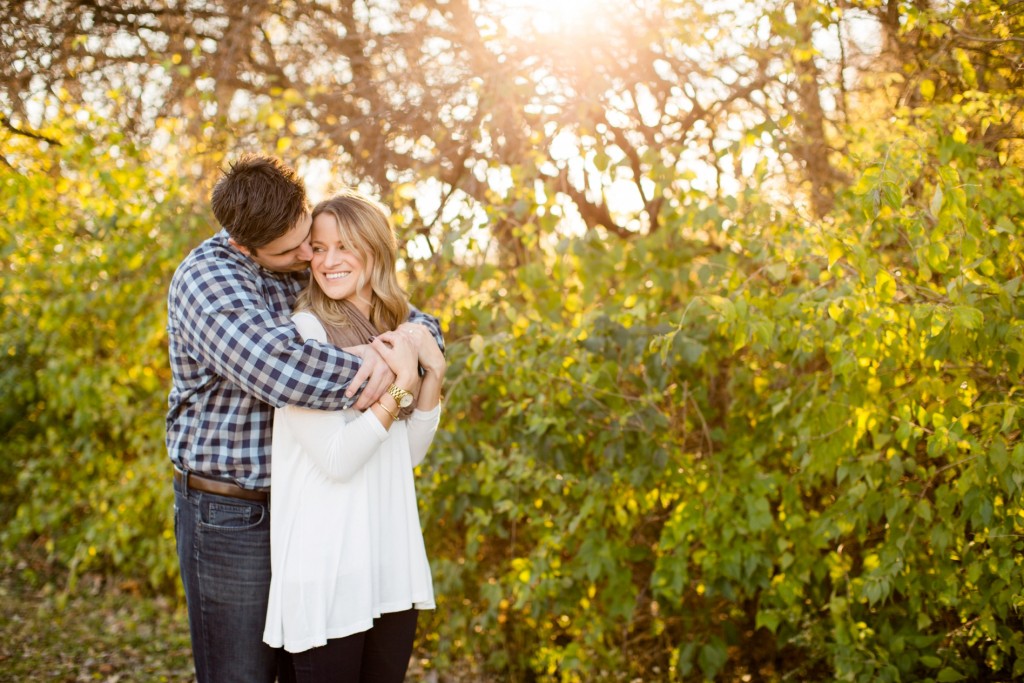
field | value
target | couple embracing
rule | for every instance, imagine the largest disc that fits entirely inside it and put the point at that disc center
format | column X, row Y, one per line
column 293, row 348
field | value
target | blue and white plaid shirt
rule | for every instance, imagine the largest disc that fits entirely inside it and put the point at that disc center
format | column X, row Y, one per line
column 235, row 355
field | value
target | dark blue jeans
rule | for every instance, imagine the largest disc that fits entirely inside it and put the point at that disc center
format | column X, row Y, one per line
column 224, row 555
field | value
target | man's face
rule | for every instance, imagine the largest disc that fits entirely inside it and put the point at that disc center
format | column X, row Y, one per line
column 289, row 253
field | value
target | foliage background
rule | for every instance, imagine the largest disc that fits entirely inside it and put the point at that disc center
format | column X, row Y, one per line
column 732, row 293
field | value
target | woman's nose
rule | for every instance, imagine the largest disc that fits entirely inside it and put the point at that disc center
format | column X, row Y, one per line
column 332, row 257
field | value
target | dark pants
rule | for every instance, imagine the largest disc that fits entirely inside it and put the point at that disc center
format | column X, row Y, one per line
column 224, row 555
column 380, row 655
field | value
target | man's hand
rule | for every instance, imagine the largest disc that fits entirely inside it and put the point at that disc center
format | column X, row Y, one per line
column 374, row 372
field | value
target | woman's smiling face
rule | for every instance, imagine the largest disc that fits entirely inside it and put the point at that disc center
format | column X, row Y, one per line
column 338, row 267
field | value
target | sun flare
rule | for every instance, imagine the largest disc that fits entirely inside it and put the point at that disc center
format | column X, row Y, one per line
column 550, row 16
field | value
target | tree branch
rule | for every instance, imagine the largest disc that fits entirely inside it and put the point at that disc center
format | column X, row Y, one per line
column 6, row 122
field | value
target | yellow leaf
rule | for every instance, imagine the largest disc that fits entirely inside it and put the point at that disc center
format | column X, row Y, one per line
column 927, row 89
column 835, row 252
column 803, row 54
column 885, row 286
column 275, row 121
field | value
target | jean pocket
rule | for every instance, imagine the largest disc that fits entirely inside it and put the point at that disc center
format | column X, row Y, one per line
column 224, row 515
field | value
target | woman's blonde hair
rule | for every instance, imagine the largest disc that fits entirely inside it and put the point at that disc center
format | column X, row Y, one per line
column 363, row 226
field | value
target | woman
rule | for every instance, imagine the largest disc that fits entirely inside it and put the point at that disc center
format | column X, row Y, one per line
column 349, row 568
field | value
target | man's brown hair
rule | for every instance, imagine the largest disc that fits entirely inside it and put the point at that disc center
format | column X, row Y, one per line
column 258, row 199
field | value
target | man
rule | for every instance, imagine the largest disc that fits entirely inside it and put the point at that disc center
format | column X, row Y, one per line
column 235, row 356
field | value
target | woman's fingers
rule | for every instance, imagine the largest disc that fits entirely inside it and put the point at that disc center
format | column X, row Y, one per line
column 398, row 352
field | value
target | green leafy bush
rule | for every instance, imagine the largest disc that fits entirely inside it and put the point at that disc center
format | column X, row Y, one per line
column 794, row 447
column 90, row 238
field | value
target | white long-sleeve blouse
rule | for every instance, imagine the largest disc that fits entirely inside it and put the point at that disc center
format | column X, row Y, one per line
column 346, row 544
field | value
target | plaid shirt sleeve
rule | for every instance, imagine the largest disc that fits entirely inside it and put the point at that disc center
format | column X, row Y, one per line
column 229, row 324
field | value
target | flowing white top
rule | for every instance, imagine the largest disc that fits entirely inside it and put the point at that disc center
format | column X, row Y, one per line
column 345, row 539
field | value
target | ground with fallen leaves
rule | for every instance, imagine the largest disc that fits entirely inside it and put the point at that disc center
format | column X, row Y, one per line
column 99, row 631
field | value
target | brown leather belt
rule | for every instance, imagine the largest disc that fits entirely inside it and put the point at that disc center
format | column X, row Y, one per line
column 220, row 487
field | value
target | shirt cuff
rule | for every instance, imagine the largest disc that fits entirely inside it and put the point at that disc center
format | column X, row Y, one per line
column 426, row 415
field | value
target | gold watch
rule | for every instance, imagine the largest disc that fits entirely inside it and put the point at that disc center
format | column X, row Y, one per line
column 402, row 397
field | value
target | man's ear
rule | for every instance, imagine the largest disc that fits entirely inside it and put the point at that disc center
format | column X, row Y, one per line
column 239, row 247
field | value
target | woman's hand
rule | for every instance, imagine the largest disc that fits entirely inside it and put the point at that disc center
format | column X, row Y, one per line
column 398, row 351
column 428, row 353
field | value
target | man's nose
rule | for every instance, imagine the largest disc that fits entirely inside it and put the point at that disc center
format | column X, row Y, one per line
column 305, row 252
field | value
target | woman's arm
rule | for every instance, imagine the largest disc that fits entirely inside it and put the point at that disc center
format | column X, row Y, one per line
column 422, row 426
column 338, row 448
column 424, row 421
column 430, row 357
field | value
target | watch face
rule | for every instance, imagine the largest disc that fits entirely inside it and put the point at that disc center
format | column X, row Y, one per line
column 402, row 397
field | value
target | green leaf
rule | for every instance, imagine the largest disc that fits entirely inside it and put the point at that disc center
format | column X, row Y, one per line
column 768, row 619
column 724, row 306
column 758, row 513
column 967, row 317
column 935, row 206
column 885, row 286
column 892, row 195
column 949, row 675
column 777, row 271
column 1008, row 419
column 937, row 256
column 712, row 658
column 868, row 181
